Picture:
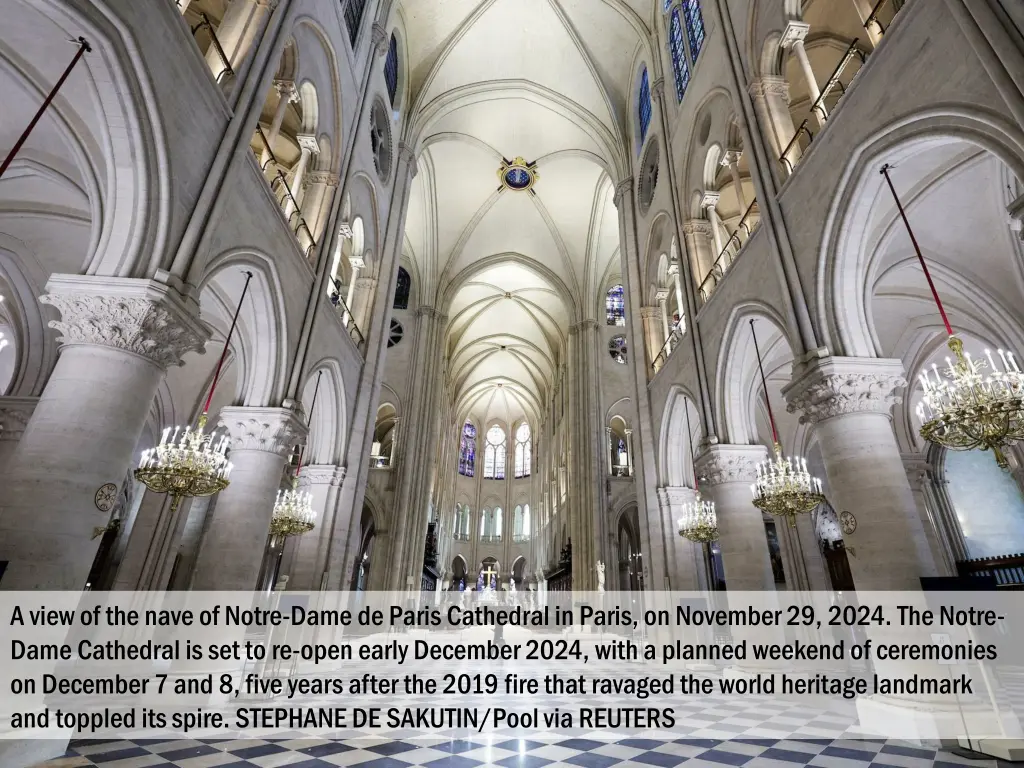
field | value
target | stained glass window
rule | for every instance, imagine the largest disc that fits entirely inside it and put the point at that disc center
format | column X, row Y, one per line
column 526, row 521
column 391, row 70
column 694, row 26
column 403, row 286
column 679, row 64
column 523, row 450
column 496, row 529
column 644, row 106
column 467, row 450
column 353, row 18
column 615, row 304
column 494, row 454
column 483, row 523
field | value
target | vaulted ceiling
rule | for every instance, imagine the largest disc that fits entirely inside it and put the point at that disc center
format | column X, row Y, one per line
column 493, row 80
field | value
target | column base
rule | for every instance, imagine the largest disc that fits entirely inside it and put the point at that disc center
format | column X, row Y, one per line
column 925, row 721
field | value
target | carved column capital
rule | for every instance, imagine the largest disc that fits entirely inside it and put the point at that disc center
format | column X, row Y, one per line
column 143, row 317
column 658, row 89
column 672, row 498
column 308, row 142
column 286, row 90
column 650, row 313
column 269, row 430
column 731, row 157
column 700, row 227
column 379, row 36
column 795, row 32
column 321, row 177
column 14, row 415
column 623, row 188
column 769, row 85
column 836, row 386
column 407, row 155
column 322, row 474
column 730, row 463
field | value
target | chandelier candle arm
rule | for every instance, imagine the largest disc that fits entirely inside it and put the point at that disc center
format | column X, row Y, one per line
column 293, row 510
column 962, row 407
column 699, row 522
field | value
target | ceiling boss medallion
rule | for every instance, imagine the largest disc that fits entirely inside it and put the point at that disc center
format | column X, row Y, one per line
column 517, row 175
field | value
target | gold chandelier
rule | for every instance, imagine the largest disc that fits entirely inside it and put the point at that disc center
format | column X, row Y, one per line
column 964, row 408
column 699, row 522
column 192, row 465
column 784, row 487
column 293, row 510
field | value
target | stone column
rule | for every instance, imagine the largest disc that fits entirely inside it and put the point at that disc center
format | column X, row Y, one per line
column 864, row 8
column 310, row 552
column 698, row 233
column 239, row 27
column 685, row 559
column 15, row 413
column 929, row 545
column 710, row 204
column 316, row 195
column 849, row 401
column 677, row 282
column 286, row 93
column 310, row 147
column 653, row 333
column 662, row 298
column 357, row 263
column 119, row 335
column 726, row 473
column 610, row 450
column 732, row 160
column 770, row 95
column 793, row 37
column 232, row 549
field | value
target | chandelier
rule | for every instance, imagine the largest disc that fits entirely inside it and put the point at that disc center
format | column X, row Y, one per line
column 784, row 487
column 191, row 463
column 293, row 510
column 699, row 522
column 963, row 407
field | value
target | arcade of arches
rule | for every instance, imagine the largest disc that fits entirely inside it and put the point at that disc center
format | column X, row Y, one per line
column 489, row 272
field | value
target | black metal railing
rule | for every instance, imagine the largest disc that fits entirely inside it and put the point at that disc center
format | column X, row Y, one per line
column 835, row 83
column 344, row 313
column 205, row 23
column 882, row 15
column 744, row 229
column 675, row 336
column 520, row 538
column 803, row 131
column 460, row 536
column 1007, row 570
column 491, row 538
column 279, row 185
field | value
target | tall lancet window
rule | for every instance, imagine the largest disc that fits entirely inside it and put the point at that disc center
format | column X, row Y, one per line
column 523, row 452
column 615, row 305
column 494, row 454
column 391, row 70
column 644, row 106
column 467, row 450
column 680, row 66
column 694, row 27
column 354, row 18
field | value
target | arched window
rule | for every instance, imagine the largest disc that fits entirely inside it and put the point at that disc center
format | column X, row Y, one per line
column 694, row 27
column 526, row 522
column 523, row 450
column 675, row 43
column 391, row 69
column 353, row 18
column 484, row 525
column 517, row 523
column 467, row 450
column 615, row 305
column 644, row 106
column 496, row 527
column 494, row 454
column 403, row 285
column 467, row 521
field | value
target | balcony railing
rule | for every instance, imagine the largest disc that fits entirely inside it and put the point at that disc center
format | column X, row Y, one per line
column 345, row 315
column 744, row 229
column 279, row 185
column 459, row 536
column 825, row 103
column 882, row 15
column 520, row 538
column 205, row 23
column 675, row 337
column 620, row 470
column 493, row 538
column 801, row 140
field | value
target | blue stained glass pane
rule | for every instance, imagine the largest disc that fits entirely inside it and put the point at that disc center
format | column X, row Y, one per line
column 403, row 286
column 517, row 178
column 353, row 18
column 391, row 70
column 694, row 26
column 644, row 106
column 679, row 64
column 467, row 450
column 615, row 304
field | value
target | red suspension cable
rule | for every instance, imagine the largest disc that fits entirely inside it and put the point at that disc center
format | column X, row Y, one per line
column 764, row 384
column 227, row 343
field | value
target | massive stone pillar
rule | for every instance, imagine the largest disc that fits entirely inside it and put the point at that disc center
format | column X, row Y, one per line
column 305, row 563
column 14, row 415
column 232, row 549
column 849, row 400
column 119, row 337
column 726, row 473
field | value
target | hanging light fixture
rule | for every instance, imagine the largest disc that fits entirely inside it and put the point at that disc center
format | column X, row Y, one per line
column 293, row 510
column 963, row 407
column 191, row 463
column 699, row 523
column 784, row 487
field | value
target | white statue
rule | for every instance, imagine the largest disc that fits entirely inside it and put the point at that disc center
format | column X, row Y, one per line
column 600, row 576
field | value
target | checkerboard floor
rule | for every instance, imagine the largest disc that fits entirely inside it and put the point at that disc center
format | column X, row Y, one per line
column 438, row 752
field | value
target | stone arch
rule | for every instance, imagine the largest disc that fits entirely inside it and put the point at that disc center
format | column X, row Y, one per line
column 676, row 447
column 33, row 347
column 327, row 419
column 737, row 379
column 261, row 337
column 842, row 286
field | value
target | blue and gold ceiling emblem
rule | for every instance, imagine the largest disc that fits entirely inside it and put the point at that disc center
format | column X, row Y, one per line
column 517, row 175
